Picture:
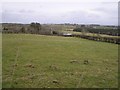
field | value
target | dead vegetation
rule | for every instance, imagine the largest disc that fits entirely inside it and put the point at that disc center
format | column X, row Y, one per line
column 15, row 65
column 29, row 65
column 74, row 61
column 53, row 67
column 55, row 81
column 86, row 62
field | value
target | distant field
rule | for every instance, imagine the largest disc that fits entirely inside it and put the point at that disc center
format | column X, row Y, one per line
column 38, row 61
column 90, row 34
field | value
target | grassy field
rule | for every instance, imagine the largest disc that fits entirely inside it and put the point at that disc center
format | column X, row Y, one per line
column 38, row 61
column 0, row 60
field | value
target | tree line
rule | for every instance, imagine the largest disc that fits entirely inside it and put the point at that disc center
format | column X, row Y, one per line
column 113, row 32
column 33, row 28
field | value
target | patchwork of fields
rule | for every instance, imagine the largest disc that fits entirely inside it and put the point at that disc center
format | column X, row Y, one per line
column 39, row 61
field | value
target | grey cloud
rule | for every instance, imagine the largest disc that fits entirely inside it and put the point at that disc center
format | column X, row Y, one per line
column 60, row 13
column 81, row 17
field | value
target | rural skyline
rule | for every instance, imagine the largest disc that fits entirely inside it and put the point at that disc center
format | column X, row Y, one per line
column 60, row 11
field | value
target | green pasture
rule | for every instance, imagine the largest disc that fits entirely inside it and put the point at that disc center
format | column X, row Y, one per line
column 39, row 61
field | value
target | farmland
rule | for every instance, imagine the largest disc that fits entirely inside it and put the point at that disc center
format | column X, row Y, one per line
column 92, row 32
column 0, row 60
column 40, row 61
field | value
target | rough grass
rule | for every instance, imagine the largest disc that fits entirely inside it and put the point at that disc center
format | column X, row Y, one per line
column 0, row 60
column 38, row 61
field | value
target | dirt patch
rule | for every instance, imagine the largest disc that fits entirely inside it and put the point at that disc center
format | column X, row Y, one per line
column 53, row 67
column 74, row 61
column 29, row 65
column 86, row 62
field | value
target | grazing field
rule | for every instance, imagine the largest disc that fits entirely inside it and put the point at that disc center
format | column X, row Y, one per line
column 0, row 60
column 38, row 61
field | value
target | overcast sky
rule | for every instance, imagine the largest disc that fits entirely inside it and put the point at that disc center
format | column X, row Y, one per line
column 60, row 11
